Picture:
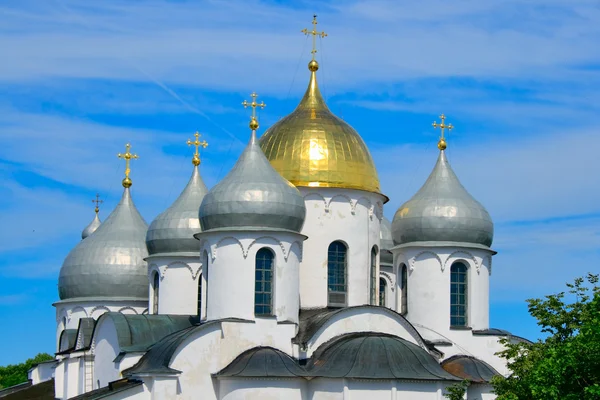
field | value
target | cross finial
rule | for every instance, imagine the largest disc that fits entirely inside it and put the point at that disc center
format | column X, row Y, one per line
column 314, row 34
column 253, row 104
column 197, row 143
column 98, row 202
column 442, row 126
column 127, row 156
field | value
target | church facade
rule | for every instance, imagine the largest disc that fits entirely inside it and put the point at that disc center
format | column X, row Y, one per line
column 284, row 281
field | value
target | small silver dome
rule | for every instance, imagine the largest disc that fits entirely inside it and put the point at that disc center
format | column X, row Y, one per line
column 109, row 263
column 253, row 195
column 91, row 228
column 443, row 211
column 386, row 234
column 173, row 230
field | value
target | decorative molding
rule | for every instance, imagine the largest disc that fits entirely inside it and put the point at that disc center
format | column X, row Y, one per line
column 128, row 308
column 489, row 264
column 352, row 204
column 186, row 265
column 325, row 205
column 77, row 308
column 277, row 242
column 155, row 268
column 215, row 247
column 299, row 243
column 368, row 205
column 389, row 278
column 415, row 258
column 466, row 253
column 106, row 309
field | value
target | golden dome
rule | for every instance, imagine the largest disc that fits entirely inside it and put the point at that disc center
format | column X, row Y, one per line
column 312, row 147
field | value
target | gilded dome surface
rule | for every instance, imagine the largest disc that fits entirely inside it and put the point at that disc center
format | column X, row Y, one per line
column 173, row 230
column 443, row 211
column 110, row 262
column 314, row 148
column 253, row 195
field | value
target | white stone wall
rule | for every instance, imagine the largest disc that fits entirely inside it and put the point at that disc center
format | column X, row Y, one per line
column 229, row 283
column 178, row 284
column 246, row 389
column 350, row 216
column 429, row 285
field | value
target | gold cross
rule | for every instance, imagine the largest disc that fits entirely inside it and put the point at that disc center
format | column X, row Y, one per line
column 314, row 34
column 442, row 143
column 127, row 156
column 197, row 143
column 253, row 104
column 98, row 202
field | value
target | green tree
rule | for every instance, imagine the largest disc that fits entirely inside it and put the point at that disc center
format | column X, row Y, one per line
column 14, row 374
column 458, row 390
column 566, row 364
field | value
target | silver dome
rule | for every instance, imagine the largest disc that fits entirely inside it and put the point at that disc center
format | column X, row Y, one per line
column 173, row 230
column 386, row 234
column 443, row 211
column 253, row 195
column 91, row 228
column 109, row 263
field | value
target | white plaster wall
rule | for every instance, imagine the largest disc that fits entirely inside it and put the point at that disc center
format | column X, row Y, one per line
column 106, row 350
column 387, row 273
column 350, row 389
column 59, row 379
column 480, row 392
column 351, row 216
column 326, row 389
column 41, row 372
column 362, row 320
column 429, row 285
column 73, row 370
column 262, row 389
column 178, row 284
column 231, row 273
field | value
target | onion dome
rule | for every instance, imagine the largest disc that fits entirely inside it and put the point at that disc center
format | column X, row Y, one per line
column 443, row 211
column 311, row 147
column 91, row 228
column 253, row 195
column 173, row 230
column 386, row 242
column 110, row 263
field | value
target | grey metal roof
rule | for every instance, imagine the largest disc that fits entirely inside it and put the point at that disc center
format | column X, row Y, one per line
column 471, row 368
column 85, row 331
column 172, row 231
column 111, row 389
column 362, row 355
column 91, row 228
column 370, row 355
column 442, row 210
column 110, row 262
column 311, row 320
column 253, row 194
column 263, row 362
column 387, row 242
column 27, row 391
column 139, row 332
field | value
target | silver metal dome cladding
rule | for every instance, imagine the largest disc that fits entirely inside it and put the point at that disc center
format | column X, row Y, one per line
column 442, row 211
column 173, row 230
column 109, row 263
column 91, row 228
column 253, row 195
column 386, row 234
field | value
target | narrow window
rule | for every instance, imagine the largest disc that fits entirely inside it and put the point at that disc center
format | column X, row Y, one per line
column 382, row 287
column 203, row 277
column 155, row 287
column 458, row 294
column 403, row 289
column 263, row 282
column 373, row 283
column 337, row 262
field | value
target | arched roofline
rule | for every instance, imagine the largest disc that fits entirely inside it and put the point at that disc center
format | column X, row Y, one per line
column 158, row 358
column 314, row 323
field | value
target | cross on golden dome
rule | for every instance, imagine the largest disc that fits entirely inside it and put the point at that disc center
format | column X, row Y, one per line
column 442, row 142
column 314, row 34
column 98, row 202
column 253, row 104
column 127, row 156
column 197, row 143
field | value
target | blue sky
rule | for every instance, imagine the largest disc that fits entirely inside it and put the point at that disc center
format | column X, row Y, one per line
column 520, row 80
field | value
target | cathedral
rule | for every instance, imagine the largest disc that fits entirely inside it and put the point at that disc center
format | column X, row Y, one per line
column 283, row 281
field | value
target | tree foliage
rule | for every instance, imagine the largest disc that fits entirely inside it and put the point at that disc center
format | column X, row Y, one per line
column 14, row 374
column 457, row 391
column 565, row 365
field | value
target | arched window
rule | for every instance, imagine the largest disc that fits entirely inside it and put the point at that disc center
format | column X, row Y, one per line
column 263, row 282
column 458, row 294
column 155, row 287
column 382, row 287
column 403, row 289
column 337, row 285
column 373, row 283
column 201, row 278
